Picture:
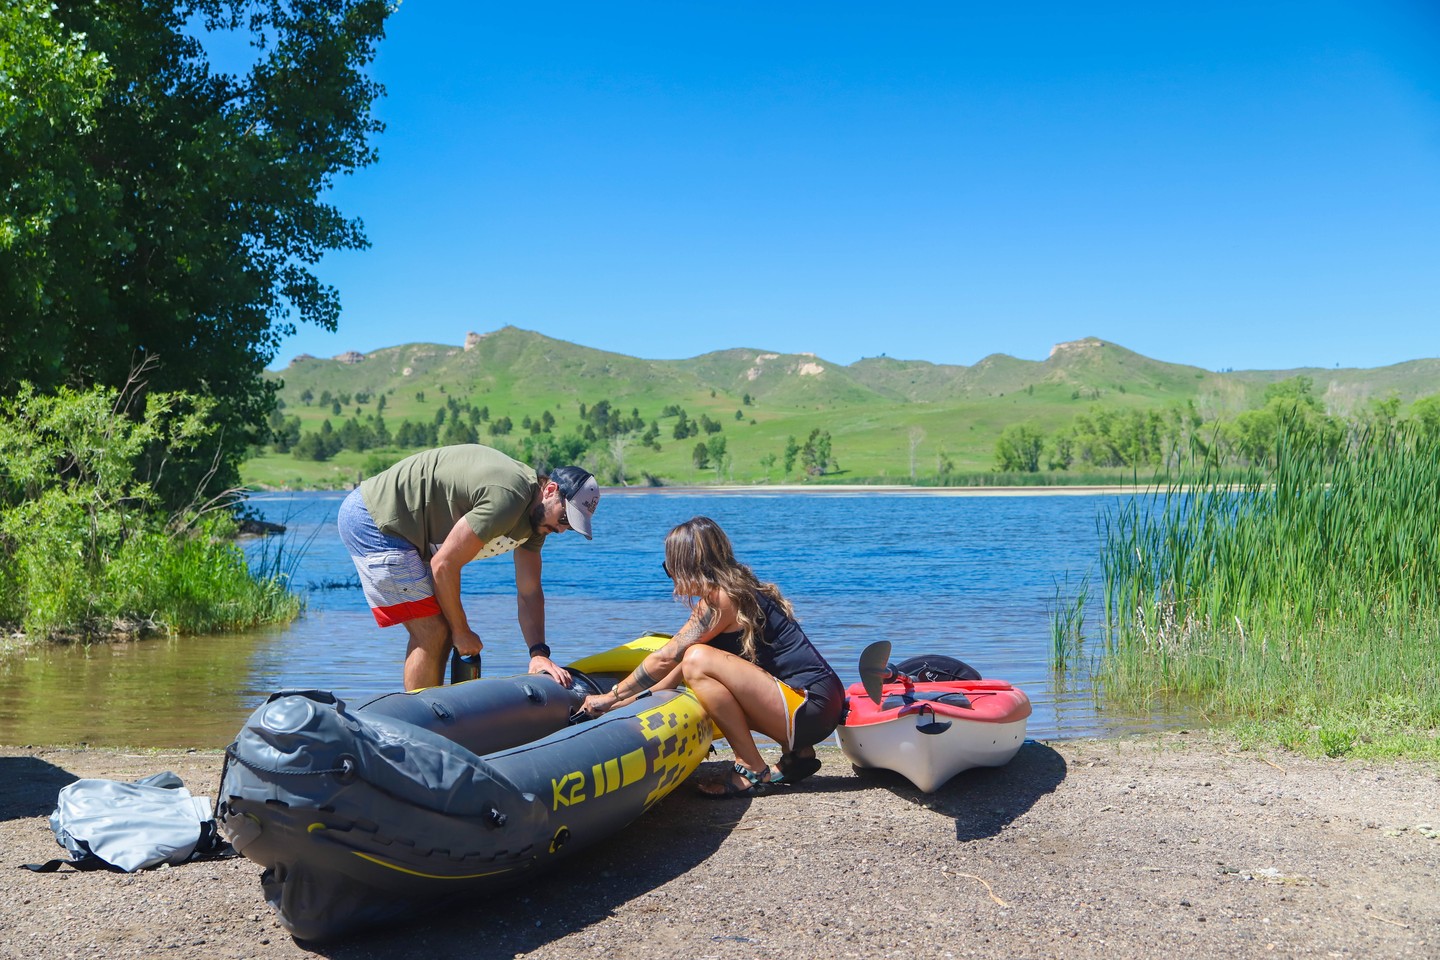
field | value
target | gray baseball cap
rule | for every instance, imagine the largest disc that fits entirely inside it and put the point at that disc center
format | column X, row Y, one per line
column 582, row 496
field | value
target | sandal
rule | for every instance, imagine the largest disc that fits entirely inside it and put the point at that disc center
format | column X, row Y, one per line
column 759, row 784
column 793, row 769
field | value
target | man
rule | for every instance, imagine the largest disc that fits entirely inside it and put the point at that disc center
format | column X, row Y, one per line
column 413, row 527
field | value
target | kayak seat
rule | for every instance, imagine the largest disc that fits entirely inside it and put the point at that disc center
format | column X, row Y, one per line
column 954, row 699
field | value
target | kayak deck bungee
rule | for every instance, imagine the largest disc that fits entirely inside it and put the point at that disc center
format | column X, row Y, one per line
column 374, row 814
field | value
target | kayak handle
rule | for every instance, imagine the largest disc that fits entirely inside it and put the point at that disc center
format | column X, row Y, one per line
column 932, row 726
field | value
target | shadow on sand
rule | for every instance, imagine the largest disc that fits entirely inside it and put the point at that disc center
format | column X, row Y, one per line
column 29, row 786
column 983, row 801
column 679, row 833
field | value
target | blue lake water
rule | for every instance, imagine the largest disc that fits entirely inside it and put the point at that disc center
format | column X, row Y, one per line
column 970, row 576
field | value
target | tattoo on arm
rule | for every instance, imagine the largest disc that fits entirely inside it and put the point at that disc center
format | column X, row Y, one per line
column 695, row 628
column 642, row 679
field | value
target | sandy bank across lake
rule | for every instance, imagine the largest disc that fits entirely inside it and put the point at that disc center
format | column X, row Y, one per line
column 885, row 489
column 1177, row 844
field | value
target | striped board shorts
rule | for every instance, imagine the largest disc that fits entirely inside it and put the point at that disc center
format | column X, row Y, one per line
column 395, row 578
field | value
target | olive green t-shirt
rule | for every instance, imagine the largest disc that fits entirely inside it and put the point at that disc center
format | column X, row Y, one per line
column 421, row 498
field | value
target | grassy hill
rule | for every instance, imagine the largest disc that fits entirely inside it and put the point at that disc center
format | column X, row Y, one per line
column 874, row 409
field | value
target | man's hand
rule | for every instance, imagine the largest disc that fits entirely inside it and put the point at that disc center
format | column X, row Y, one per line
column 551, row 669
column 467, row 642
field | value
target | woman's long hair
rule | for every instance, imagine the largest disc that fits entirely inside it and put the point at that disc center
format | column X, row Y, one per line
column 702, row 563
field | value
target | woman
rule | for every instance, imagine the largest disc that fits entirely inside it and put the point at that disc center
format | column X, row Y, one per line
column 746, row 660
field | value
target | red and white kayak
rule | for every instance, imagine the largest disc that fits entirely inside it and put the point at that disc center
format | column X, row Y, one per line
column 929, row 732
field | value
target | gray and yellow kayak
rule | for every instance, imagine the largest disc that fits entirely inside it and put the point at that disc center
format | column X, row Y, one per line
column 368, row 815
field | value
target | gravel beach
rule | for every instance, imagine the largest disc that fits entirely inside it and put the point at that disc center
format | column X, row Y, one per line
column 1108, row 849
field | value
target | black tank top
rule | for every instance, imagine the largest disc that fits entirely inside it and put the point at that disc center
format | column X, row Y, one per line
column 783, row 651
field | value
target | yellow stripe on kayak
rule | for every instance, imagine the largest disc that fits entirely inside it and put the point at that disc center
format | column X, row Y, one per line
column 427, row 876
column 624, row 658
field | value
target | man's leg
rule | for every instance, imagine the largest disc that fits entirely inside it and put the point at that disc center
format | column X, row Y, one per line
column 399, row 589
column 428, row 651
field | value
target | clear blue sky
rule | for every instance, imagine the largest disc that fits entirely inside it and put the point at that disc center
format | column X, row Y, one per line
column 1242, row 185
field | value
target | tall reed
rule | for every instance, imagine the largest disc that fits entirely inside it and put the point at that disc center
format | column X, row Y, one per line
column 1310, row 587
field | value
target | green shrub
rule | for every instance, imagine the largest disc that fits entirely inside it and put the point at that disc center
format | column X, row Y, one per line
column 84, row 549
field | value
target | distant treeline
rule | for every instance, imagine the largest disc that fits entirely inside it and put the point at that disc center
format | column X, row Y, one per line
column 1153, row 439
column 599, row 440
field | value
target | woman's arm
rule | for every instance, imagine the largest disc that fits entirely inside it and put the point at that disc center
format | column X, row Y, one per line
column 670, row 682
column 662, row 667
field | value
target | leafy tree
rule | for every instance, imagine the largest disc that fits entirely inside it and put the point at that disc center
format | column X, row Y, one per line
column 311, row 446
column 153, row 207
column 1426, row 410
column 815, row 454
column 285, row 434
column 1297, row 394
column 1290, row 405
column 792, row 450
column 1019, row 449
column 715, row 447
column 701, row 455
column 459, row 432
column 1062, row 450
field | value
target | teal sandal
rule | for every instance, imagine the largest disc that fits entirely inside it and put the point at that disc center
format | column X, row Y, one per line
column 759, row 784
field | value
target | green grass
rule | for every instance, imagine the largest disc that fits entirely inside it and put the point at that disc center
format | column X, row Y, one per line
column 198, row 583
column 1303, row 601
column 153, row 581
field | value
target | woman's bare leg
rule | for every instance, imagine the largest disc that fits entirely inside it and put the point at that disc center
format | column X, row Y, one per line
column 739, row 697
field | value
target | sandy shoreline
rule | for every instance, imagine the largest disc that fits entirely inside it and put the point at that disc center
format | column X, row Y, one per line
column 1076, row 849
column 848, row 489
column 888, row 490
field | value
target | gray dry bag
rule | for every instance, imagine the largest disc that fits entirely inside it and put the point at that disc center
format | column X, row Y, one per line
column 131, row 826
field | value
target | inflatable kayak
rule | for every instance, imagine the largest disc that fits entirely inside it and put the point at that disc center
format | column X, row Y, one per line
column 367, row 815
column 929, row 730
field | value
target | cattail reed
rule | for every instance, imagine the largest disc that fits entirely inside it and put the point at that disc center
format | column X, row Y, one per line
column 1310, row 588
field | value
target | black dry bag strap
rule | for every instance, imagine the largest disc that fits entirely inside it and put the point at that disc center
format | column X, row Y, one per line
column 88, row 862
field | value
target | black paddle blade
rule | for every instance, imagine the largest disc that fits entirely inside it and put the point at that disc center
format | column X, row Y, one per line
column 873, row 660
